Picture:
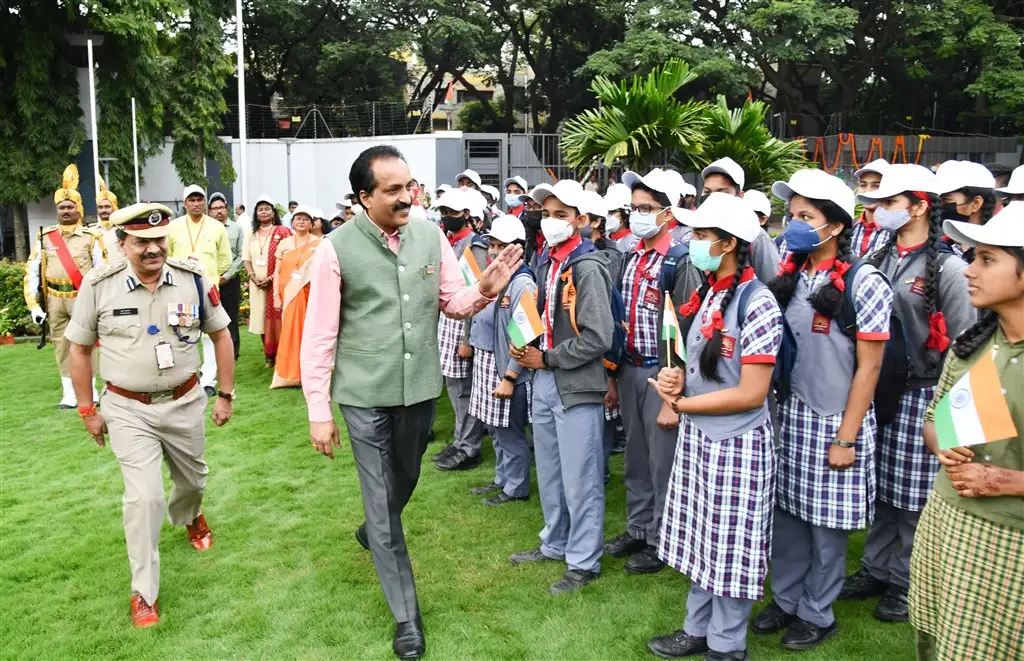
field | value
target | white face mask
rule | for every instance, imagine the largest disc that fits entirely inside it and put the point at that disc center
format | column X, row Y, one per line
column 555, row 230
column 611, row 224
column 891, row 221
column 644, row 225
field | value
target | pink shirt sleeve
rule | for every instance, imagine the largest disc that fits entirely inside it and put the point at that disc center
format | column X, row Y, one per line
column 457, row 300
column 320, row 332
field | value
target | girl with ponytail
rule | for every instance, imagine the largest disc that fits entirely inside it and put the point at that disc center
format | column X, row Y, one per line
column 826, row 473
column 933, row 307
column 723, row 474
column 971, row 533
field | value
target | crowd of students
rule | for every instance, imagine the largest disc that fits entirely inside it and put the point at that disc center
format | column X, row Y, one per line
column 766, row 390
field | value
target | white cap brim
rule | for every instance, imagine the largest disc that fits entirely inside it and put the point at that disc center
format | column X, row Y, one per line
column 192, row 190
column 1005, row 229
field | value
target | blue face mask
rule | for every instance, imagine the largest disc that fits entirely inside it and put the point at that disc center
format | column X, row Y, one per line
column 700, row 255
column 800, row 237
column 512, row 200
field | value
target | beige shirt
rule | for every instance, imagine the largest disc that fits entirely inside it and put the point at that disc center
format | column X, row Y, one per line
column 130, row 321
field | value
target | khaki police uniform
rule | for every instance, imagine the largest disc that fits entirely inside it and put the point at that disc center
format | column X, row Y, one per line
column 151, row 411
column 85, row 245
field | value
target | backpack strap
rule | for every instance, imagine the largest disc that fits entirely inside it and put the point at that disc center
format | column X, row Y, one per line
column 744, row 300
column 667, row 278
column 569, row 297
column 848, row 320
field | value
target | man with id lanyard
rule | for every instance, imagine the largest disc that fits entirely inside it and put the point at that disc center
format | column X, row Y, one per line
column 202, row 240
column 149, row 312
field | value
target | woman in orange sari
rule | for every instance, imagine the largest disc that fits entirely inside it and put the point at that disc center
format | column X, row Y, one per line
column 291, row 293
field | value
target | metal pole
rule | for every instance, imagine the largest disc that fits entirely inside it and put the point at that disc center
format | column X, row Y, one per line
column 135, row 151
column 95, row 133
column 242, row 115
column 288, row 166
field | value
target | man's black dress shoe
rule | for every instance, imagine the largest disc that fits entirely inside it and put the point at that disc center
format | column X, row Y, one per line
column 409, row 640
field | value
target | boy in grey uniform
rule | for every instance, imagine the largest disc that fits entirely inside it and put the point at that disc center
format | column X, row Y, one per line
column 569, row 386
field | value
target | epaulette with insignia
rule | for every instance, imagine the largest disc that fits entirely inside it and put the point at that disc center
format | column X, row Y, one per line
column 101, row 272
column 49, row 228
column 185, row 264
column 94, row 230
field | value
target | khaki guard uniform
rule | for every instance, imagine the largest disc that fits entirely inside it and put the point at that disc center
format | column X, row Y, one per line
column 131, row 322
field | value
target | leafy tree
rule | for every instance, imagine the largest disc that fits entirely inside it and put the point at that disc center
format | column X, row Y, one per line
column 743, row 135
column 639, row 121
column 475, row 117
column 195, row 91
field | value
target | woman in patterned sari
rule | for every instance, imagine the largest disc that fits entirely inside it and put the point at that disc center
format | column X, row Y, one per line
column 259, row 258
column 291, row 293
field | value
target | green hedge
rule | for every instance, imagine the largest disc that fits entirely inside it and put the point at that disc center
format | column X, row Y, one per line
column 14, row 316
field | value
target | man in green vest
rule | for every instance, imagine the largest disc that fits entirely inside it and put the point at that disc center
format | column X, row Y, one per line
column 370, row 344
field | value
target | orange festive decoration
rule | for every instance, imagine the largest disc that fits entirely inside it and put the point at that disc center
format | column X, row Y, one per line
column 876, row 143
column 899, row 148
column 920, row 146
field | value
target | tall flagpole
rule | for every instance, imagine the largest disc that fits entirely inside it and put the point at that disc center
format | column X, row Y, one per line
column 95, row 133
column 241, row 109
column 135, row 151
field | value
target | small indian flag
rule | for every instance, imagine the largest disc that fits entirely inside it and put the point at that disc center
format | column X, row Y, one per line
column 974, row 411
column 470, row 269
column 670, row 328
column 525, row 326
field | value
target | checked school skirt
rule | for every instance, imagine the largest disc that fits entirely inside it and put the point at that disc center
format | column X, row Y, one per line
column 717, row 523
column 449, row 336
column 484, row 406
column 906, row 469
column 967, row 584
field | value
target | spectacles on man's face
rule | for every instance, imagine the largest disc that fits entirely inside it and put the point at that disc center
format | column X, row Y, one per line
column 645, row 208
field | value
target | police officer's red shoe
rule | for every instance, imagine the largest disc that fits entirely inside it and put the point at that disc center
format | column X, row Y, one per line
column 199, row 535
column 143, row 615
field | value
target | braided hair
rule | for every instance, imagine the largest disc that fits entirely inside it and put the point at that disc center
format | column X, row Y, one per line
column 712, row 351
column 975, row 336
column 932, row 275
column 826, row 299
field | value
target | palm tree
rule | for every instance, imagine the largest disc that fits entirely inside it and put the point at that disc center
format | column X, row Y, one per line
column 638, row 121
column 743, row 135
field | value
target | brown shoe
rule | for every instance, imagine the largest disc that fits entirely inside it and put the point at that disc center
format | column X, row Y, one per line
column 143, row 615
column 199, row 535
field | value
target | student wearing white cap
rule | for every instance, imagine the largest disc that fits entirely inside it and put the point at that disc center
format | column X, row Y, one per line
column 453, row 337
column 967, row 571
column 479, row 216
column 203, row 240
column 726, row 176
column 759, row 204
column 680, row 231
column 468, row 179
column 569, row 386
column 617, row 199
column 933, row 306
column 867, row 236
column 649, row 445
column 826, row 460
column 515, row 188
column 968, row 195
column 1013, row 191
column 491, row 195
column 718, row 511
column 501, row 387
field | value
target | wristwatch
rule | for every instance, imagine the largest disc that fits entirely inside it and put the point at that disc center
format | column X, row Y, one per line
column 843, row 444
column 230, row 396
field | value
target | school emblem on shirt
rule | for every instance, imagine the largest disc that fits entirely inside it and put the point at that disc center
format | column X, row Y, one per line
column 917, row 286
column 821, row 323
column 728, row 346
column 505, row 302
column 652, row 296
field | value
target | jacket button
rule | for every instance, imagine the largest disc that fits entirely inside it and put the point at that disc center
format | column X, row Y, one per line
column 405, row 297
column 408, row 325
column 408, row 356
column 401, row 269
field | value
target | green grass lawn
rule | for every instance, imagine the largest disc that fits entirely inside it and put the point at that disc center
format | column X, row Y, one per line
column 285, row 579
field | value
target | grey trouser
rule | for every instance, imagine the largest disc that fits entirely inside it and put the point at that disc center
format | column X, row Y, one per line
column 141, row 436
column 469, row 432
column 808, row 567
column 722, row 620
column 388, row 446
column 511, row 450
column 567, row 445
column 650, row 451
column 889, row 544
